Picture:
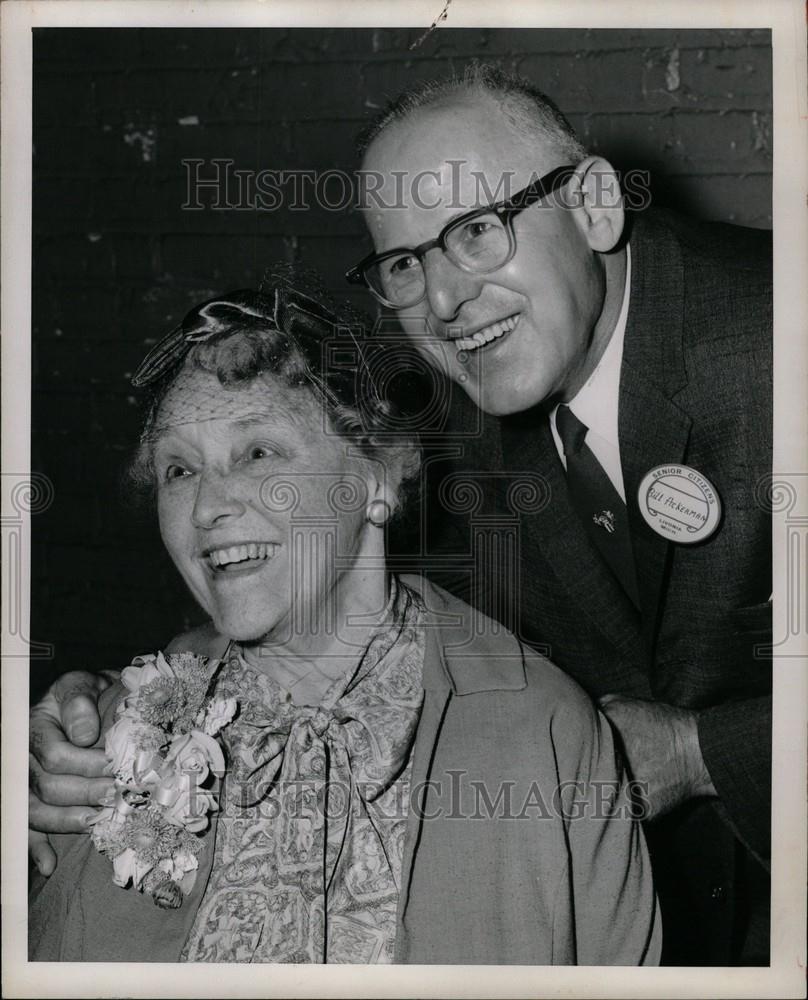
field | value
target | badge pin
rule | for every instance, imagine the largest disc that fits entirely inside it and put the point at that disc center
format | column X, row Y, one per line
column 605, row 519
column 679, row 503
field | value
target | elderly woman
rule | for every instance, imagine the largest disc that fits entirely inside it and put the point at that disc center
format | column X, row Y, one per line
column 403, row 781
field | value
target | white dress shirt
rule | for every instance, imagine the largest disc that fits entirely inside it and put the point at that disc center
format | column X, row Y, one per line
column 596, row 403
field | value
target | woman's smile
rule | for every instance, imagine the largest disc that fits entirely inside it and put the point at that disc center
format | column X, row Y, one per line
column 240, row 556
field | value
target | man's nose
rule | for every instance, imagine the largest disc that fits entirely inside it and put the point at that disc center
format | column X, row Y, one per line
column 448, row 286
column 215, row 499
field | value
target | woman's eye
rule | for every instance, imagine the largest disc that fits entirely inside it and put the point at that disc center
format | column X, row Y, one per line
column 259, row 451
column 176, row 472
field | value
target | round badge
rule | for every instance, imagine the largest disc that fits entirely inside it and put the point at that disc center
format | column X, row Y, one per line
column 679, row 503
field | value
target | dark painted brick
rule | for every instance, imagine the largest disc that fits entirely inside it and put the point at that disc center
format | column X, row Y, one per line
column 118, row 260
column 218, row 94
column 205, row 47
column 131, row 97
column 315, row 145
column 60, row 98
column 730, row 78
column 76, row 311
column 332, row 257
column 87, row 47
column 87, row 256
column 252, row 145
column 687, row 142
column 229, row 261
column 133, row 256
column 487, row 42
column 291, row 92
column 63, row 199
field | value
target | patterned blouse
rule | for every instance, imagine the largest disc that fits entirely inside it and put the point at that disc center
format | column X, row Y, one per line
column 310, row 838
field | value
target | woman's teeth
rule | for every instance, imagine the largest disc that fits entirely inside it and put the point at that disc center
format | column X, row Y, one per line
column 485, row 336
column 240, row 553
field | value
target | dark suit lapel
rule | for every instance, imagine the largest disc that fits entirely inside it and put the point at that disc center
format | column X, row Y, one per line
column 653, row 430
column 558, row 532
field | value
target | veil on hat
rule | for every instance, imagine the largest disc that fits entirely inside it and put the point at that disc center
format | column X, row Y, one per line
column 281, row 305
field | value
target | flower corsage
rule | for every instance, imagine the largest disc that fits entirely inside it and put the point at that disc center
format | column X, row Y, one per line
column 166, row 762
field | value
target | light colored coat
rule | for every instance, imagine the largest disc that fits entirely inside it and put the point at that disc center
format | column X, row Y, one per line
column 495, row 870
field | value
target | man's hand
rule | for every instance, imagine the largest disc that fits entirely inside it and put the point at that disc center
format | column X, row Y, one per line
column 64, row 779
column 661, row 743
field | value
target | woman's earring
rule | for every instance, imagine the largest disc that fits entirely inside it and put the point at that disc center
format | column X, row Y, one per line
column 378, row 512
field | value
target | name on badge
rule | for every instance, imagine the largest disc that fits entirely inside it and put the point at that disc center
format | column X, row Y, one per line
column 679, row 503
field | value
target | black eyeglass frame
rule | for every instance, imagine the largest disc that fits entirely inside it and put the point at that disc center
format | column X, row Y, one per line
column 506, row 210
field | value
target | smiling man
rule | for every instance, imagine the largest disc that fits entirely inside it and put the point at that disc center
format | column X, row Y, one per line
column 621, row 370
column 628, row 364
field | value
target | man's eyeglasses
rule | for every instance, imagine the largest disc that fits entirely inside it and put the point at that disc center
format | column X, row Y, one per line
column 479, row 241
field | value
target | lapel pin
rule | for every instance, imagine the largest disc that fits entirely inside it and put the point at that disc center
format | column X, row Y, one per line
column 679, row 503
column 605, row 519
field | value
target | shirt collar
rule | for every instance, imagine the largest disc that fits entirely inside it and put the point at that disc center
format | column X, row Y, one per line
column 596, row 402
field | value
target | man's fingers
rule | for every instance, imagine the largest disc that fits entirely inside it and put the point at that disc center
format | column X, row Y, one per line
column 57, row 819
column 80, row 719
column 71, row 702
column 74, row 682
column 41, row 852
column 57, row 754
column 76, row 694
column 66, row 789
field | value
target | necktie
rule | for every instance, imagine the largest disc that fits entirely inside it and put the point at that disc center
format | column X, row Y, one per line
column 597, row 502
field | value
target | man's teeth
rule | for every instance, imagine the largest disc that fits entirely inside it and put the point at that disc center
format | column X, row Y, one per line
column 240, row 553
column 485, row 336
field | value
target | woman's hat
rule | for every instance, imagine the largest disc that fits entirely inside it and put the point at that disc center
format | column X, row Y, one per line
column 284, row 309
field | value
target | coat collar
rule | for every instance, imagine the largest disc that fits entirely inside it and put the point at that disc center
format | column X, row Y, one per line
column 653, row 430
column 466, row 652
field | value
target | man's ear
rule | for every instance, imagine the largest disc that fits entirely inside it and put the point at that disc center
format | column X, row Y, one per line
column 597, row 197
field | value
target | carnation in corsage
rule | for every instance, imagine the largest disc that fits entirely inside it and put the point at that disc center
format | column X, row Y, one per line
column 166, row 761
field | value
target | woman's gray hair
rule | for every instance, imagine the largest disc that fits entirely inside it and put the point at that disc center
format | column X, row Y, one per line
column 526, row 107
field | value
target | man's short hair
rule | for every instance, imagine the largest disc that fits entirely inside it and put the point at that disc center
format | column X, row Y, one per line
column 527, row 108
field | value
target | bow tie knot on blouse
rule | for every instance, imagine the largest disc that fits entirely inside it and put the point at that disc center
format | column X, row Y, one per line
column 309, row 843
column 366, row 745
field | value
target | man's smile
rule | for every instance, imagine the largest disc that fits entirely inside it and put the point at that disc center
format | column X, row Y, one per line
column 488, row 334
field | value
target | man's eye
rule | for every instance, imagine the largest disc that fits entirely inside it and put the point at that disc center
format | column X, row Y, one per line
column 477, row 228
column 402, row 264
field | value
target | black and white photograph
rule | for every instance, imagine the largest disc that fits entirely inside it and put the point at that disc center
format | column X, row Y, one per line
column 404, row 499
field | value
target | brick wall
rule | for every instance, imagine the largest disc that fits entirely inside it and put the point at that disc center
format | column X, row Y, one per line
column 117, row 261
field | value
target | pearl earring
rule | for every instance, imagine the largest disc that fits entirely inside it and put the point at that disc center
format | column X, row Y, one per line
column 378, row 512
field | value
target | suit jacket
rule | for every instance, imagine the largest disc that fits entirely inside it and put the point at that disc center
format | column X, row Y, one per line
column 520, row 845
column 695, row 388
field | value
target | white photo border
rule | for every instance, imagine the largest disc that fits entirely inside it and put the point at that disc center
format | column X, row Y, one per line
column 786, row 976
